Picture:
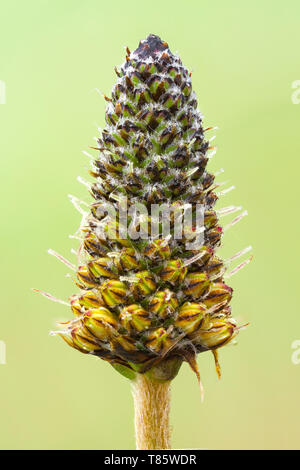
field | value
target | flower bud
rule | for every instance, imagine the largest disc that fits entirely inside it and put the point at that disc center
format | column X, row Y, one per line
column 148, row 304
column 190, row 316
column 215, row 268
column 94, row 246
column 126, row 260
column 158, row 249
column 144, row 285
column 215, row 333
column 206, row 254
column 76, row 307
column 219, row 295
column 197, row 284
column 100, row 323
column 174, row 271
column 69, row 340
column 210, row 219
column 102, row 267
column 134, row 317
column 86, row 278
column 112, row 232
column 113, row 292
column 90, row 299
column 158, row 341
column 164, row 303
column 127, row 349
column 213, row 236
column 83, row 340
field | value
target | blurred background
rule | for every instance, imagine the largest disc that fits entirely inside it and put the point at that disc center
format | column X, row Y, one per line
column 245, row 60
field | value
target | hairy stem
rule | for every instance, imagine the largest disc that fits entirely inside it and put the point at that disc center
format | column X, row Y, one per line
column 152, row 408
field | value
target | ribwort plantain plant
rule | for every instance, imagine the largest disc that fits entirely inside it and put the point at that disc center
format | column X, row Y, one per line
column 147, row 304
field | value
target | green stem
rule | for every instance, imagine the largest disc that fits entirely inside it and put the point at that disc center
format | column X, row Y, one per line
column 152, row 409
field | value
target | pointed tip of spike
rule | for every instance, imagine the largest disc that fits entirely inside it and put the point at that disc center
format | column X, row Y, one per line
column 151, row 46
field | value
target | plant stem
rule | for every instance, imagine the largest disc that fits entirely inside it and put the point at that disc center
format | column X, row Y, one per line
column 152, row 408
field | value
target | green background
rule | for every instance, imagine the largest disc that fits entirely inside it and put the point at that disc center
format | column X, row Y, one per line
column 244, row 57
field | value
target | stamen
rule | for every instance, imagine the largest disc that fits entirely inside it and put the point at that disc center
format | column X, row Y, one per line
column 221, row 170
column 239, row 254
column 211, row 154
column 84, row 182
column 59, row 332
column 78, row 253
column 76, row 237
column 87, row 154
column 239, row 267
column 228, row 210
column 62, row 259
column 99, row 91
column 72, row 322
column 225, row 191
column 242, row 327
column 75, row 201
column 236, row 220
column 51, row 297
column 193, row 259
